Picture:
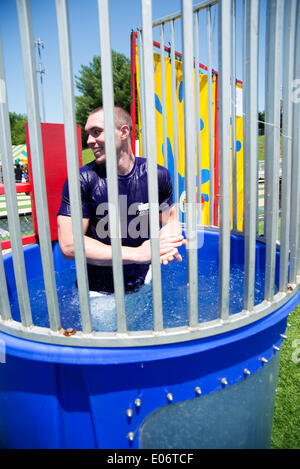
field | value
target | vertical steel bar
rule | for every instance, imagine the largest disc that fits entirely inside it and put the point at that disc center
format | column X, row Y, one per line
column 150, row 136
column 142, row 92
column 5, row 311
column 295, row 192
column 250, row 148
column 224, row 126
column 198, row 122
column 210, row 117
column 257, row 165
column 12, row 209
column 287, row 122
column 190, row 158
column 38, row 173
column 233, row 114
column 174, row 114
column 257, row 169
column 72, row 161
column 163, row 95
column 111, row 163
column 272, row 137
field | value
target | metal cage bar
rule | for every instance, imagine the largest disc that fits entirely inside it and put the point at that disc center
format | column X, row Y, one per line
column 198, row 127
column 150, row 137
column 174, row 16
column 233, row 114
column 190, row 160
column 272, row 138
column 163, row 95
column 295, row 193
column 111, row 163
column 210, row 116
column 174, row 112
column 5, row 311
column 224, row 126
column 38, row 172
column 250, row 148
column 12, row 211
column 287, row 123
column 72, row 161
column 142, row 91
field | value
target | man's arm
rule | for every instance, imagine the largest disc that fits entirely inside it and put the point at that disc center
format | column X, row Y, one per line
column 98, row 253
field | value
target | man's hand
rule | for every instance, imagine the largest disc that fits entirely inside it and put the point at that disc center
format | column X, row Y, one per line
column 171, row 230
column 168, row 244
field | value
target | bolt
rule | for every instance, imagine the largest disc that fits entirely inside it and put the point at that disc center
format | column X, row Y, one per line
column 170, row 397
column 247, row 372
column 69, row 332
column 283, row 336
column 224, row 381
column 130, row 436
column 129, row 413
column 138, row 402
column 264, row 360
column 276, row 348
column 198, row 390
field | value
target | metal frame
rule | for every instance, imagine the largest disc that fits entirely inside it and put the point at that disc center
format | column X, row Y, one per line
column 25, row 26
column 72, row 160
column 290, row 198
column 250, row 148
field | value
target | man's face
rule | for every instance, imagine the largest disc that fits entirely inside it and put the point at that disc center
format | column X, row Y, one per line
column 94, row 129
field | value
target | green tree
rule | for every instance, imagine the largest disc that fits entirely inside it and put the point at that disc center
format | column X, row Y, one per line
column 89, row 84
column 17, row 128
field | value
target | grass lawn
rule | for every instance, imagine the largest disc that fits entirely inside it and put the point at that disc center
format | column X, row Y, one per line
column 286, row 422
column 261, row 147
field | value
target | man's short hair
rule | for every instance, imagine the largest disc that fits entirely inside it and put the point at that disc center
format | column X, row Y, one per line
column 121, row 116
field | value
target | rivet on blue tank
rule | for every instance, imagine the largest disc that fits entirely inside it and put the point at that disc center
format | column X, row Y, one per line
column 138, row 402
column 198, row 390
column 276, row 348
column 264, row 360
column 170, row 397
column 247, row 372
column 283, row 336
column 129, row 413
column 224, row 381
column 130, row 436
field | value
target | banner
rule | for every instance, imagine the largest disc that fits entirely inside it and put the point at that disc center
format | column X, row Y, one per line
column 206, row 171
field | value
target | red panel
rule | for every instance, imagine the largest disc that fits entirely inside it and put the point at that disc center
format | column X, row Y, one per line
column 20, row 187
column 25, row 240
column 55, row 163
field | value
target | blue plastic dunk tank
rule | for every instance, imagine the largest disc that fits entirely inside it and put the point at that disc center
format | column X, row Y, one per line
column 214, row 392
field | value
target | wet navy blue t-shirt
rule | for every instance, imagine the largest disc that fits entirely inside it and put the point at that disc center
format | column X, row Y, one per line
column 134, row 214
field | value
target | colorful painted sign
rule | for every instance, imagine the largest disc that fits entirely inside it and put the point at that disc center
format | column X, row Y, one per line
column 206, row 171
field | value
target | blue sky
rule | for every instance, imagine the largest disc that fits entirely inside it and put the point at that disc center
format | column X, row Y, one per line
column 124, row 16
